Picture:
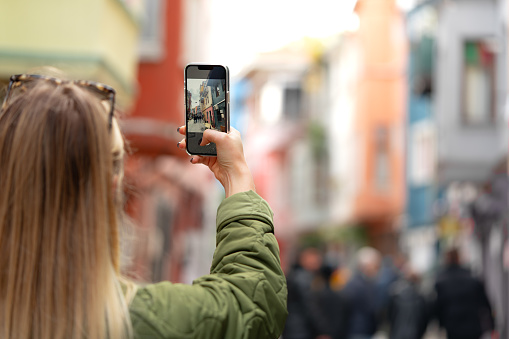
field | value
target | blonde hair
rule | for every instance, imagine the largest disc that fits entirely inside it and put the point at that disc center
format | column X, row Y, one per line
column 59, row 240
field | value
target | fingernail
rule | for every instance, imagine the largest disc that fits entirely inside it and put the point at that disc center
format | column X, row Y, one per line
column 191, row 161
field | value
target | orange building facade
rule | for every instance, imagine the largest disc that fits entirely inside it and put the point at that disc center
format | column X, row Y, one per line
column 379, row 120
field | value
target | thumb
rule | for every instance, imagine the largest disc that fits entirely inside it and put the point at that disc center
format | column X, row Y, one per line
column 210, row 135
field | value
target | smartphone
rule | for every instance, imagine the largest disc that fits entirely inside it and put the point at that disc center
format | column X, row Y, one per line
column 207, row 93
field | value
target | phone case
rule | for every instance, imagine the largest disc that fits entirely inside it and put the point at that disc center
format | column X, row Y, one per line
column 207, row 103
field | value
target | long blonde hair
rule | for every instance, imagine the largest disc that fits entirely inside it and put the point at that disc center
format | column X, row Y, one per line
column 59, row 241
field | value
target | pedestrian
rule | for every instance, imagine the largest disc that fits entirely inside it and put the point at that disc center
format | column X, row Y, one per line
column 61, row 156
column 461, row 306
column 315, row 310
column 408, row 309
column 361, row 295
column 328, row 307
column 388, row 274
column 301, row 322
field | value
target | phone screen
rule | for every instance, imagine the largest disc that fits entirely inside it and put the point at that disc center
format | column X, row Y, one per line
column 207, row 106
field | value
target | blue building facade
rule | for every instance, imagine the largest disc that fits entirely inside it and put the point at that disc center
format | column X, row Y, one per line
column 419, row 234
column 457, row 139
column 421, row 134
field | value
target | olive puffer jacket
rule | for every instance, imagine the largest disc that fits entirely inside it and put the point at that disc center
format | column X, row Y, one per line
column 244, row 296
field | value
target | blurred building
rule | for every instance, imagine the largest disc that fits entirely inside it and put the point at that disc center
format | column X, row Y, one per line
column 168, row 198
column 457, row 139
column 377, row 94
column 278, row 130
column 325, row 131
column 76, row 40
column 364, row 124
column 84, row 40
column 419, row 236
column 139, row 48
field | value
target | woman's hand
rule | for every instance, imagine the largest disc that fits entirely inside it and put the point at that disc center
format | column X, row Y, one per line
column 229, row 167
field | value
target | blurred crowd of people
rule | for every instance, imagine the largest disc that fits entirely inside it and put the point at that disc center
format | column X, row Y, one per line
column 383, row 295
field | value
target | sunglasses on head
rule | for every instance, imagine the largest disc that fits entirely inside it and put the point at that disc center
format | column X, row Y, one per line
column 19, row 83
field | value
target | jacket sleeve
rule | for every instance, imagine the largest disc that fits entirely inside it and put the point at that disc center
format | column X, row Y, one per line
column 243, row 297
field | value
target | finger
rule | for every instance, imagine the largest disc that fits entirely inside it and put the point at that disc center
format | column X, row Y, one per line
column 182, row 130
column 211, row 135
column 182, row 144
column 196, row 159
column 233, row 131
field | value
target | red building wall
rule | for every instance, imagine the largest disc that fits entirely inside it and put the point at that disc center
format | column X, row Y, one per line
column 160, row 99
column 164, row 193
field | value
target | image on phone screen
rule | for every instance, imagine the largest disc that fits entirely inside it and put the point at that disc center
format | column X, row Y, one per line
column 206, row 105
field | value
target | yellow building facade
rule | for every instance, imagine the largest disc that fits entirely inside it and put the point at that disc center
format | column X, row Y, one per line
column 85, row 39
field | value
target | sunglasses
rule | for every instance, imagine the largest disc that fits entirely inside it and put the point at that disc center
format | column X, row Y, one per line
column 19, row 83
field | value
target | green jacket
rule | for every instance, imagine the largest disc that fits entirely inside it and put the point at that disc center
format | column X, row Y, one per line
column 244, row 296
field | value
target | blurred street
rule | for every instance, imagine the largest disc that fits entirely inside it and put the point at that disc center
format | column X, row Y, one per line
column 196, row 126
column 379, row 124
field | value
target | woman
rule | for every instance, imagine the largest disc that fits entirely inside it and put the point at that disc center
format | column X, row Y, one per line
column 60, row 176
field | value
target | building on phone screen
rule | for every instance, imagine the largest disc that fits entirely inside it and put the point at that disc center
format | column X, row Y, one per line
column 218, row 94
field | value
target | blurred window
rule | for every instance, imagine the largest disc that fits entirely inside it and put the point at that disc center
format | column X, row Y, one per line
column 321, row 177
column 382, row 175
column 292, row 102
column 422, row 153
column 422, row 27
column 271, row 102
column 151, row 46
column 478, row 99
column 422, row 54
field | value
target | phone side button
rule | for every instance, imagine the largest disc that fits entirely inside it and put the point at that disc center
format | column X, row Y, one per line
column 229, row 114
